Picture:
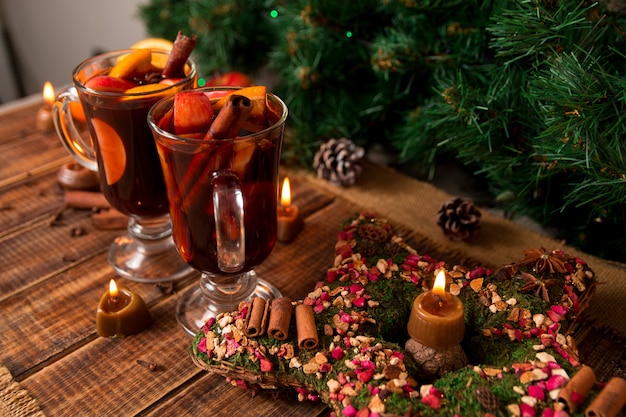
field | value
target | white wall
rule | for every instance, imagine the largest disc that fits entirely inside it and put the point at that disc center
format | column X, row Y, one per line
column 50, row 37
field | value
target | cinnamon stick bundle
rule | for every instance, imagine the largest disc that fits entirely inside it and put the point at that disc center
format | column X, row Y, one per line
column 610, row 401
column 577, row 388
column 181, row 51
column 227, row 124
column 256, row 318
column 280, row 318
column 305, row 326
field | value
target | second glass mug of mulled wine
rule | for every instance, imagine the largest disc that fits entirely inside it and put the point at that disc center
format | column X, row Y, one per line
column 223, row 191
column 116, row 91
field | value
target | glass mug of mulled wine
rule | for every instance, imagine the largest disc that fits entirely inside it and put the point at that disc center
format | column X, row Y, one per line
column 221, row 174
column 116, row 91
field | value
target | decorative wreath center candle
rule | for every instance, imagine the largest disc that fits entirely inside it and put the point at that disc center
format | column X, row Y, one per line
column 437, row 327
column 437, row 319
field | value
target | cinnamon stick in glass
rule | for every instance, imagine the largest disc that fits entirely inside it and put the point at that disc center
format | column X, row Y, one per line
column 181, row 51
column 230, row 118
column 280, row 318
column 610, row 401
column 256, row 318
column 305, row 326
column 580, row 384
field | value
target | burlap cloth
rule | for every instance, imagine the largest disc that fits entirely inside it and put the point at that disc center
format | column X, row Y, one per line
column 414, row 204
column 15, row 401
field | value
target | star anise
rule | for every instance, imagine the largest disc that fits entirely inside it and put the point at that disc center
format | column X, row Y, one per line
column 541, row 261
column 537, row 285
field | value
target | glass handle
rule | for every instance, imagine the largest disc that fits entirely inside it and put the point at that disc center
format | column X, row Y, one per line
column 82, row 149
column 229, row 222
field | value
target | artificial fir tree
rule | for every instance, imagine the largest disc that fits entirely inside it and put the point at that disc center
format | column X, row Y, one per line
column 527, row 94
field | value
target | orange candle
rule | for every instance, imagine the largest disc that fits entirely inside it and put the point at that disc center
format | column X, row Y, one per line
column 437, row 317
column 44, row 116
column 121, row 313
column 289, row 220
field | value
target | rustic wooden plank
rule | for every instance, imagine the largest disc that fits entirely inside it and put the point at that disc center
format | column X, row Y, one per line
column 30, row 155
column 23, row 203
column 19, row 121
column 103, row 378
column 58, row 315
column 47, row 247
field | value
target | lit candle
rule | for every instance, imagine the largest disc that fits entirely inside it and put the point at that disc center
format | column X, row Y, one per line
column 44, row 116
column 121, row 313
column 289, row 220
column 437, row 319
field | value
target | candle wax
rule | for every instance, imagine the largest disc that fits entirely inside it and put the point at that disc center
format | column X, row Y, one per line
column 289, row 222
column 123, row 315
column 44, row 119
column 437, row 321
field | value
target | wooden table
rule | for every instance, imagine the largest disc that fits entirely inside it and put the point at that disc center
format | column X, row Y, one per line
column 52, row 278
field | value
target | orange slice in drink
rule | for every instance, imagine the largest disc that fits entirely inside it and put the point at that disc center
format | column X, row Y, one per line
column 137, row 62
column 112, row 152
column 256, row 94
column 159, row 44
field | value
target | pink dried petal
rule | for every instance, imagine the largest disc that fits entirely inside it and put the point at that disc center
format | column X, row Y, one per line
column 433, row 401
column 266, row 365
column 337, row 353
column 318, row 308
column 559, row 309
column 577, row 397
column 365, row 375
column 331, row 276
column 202, row 345
column 547, row 412
column 555, row 381
column 349, row 411
column 356, row 288
column 536, row 392
column 359, row 302
column 527, row 410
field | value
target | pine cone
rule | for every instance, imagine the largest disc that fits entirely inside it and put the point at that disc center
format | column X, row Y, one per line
column 459, row 218
column 337, row 161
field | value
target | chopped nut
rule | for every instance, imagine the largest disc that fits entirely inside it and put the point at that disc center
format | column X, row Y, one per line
column 455, row 289
column 476, row 284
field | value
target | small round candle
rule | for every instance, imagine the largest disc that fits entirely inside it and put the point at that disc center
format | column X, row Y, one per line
column 289, row 220
column 437, row 317
column 121, row 313
column 44, row 115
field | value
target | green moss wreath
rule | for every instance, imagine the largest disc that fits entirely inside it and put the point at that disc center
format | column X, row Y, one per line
column 517, row 319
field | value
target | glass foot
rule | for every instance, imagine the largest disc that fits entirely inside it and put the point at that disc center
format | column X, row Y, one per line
column 147, row 252
column 195, row 308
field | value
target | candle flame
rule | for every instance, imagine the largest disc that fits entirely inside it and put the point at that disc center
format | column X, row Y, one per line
column 285, row 197
column 439, row 288
column 113, row 291
column 48, row 93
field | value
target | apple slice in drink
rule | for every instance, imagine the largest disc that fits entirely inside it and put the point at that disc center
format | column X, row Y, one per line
column 112, row 151
column 192, row 113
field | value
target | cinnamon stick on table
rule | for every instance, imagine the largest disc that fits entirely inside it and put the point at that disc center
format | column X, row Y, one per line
column 183, row 46
column 610, row 401
column 574, row 392
column 256, row 318
column 85, row 199
column 305, row 326
column 280, row 318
